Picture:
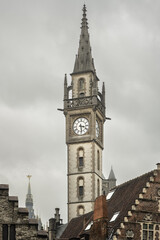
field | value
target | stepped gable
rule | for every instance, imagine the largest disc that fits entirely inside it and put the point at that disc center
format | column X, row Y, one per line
column 76, row 226
column 121, row 201
column 124, row 197
column 16, row 219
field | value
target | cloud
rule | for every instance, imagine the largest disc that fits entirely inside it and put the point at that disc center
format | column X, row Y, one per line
column 39, row 41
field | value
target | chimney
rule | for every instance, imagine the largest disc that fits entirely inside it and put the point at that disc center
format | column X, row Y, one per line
column 57, row 215
column 99, row 227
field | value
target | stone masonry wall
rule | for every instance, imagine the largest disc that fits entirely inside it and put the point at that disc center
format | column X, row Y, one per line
column 11, row 214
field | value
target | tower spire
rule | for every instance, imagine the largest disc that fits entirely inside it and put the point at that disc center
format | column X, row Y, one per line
column 29, row 200
column 84, row 61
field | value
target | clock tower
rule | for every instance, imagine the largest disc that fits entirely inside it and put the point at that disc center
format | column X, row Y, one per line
column 84, row 109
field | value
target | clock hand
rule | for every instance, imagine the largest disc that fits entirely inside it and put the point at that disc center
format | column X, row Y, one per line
column 81, row 126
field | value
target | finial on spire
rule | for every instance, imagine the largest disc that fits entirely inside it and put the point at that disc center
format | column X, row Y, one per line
column 29, row 177
column 84, row 23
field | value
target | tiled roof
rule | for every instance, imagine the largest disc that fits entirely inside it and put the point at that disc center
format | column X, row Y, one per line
column 121, row 201
column 76, row 226
column 124, row 197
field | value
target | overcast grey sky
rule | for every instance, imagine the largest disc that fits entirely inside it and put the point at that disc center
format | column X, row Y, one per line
column 38, row 43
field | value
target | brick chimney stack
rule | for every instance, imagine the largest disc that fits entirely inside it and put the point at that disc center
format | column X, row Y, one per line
column 99, row 227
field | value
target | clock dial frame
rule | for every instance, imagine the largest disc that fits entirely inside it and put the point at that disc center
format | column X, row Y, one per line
column 81, row 126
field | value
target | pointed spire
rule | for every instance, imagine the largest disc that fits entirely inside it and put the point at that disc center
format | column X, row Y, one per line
column 103, row 94
column 65, row 79
column 29, row 200
column 65, row 87
column 103, row 88
column 84, row 61
column 112, row 175
column 29, row 185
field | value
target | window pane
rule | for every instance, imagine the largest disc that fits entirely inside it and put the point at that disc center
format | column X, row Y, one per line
column 144, row 235
column 150, row 235
column 81, row 191
column 80, row 161
column 12, row 232
column 151, row 226
column 5, row 232
column 144, row 226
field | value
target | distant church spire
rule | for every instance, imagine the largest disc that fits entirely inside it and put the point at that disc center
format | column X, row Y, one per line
column 112, row 175
column 84, row 61
column 29, row 200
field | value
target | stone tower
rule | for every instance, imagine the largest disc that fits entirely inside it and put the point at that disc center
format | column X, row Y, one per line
column 84, row 109
column 29, row 200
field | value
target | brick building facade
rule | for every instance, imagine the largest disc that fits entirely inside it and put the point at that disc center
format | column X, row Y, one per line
column 14, row 221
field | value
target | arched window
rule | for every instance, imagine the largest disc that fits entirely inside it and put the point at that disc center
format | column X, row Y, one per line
column 98, row 188
column 80, row 157
column 81, row 84
column 80, row 210
column 80, row 187
column 98, row 160
column 81, row 87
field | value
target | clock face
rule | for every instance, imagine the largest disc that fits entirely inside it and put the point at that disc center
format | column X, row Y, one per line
column 81, row 126
column 97, row 129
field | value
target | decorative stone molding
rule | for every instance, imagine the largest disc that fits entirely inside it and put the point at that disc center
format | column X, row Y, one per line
column 148, row 217
column 122, row 225
column 136, row 202
column 155, row 173
column 125, row 219
column 129, row 213
column 144, row 190
column 118, row 231
column 130, row 234
column 151, row 179
column 148, row 185
column 140, row 196
column 85, row 101
column 133, row 207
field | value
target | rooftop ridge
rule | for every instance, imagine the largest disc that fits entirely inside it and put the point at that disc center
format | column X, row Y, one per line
column 120, row 185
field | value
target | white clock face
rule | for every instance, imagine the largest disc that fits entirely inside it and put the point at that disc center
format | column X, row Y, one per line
column 81, row 126
column 97, row 129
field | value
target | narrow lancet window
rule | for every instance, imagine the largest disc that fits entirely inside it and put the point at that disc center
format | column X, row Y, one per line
column 98, row 160
column 80, row 187
column 80, row 157
column 81, row 87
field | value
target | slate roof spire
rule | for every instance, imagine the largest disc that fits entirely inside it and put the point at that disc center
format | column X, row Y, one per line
column 84, row 61
column 112, row 175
